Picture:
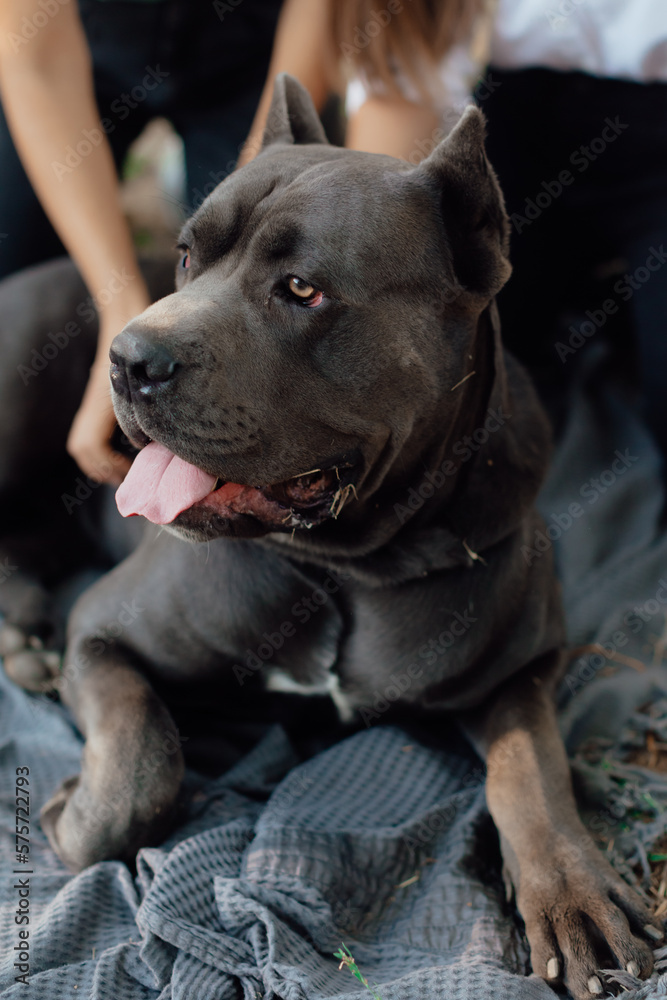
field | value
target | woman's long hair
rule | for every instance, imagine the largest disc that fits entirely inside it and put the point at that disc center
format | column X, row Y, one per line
column 382, row 37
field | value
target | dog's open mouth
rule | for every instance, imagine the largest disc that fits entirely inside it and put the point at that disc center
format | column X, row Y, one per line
column 160, row 486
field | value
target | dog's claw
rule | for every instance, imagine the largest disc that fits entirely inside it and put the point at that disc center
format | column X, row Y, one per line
column 555, row 902
column 25, row 660
column 31, row 670
column 653, row 932
column 12, row 640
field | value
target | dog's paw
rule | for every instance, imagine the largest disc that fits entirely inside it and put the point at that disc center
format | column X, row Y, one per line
column 25, row 660
column 101, row 814
column 65, row 834
column 83, row 830
column 580, row 917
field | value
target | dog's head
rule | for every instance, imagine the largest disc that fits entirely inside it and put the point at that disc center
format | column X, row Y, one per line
column 316, row 357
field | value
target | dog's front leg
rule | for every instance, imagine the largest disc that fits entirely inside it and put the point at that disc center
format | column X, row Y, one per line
column 132, row 767
column 579, row 914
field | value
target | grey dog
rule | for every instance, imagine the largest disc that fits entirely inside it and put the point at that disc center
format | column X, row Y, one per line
column 324, row 398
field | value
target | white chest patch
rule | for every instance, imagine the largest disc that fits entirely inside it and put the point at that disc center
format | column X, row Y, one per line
column 278, row 679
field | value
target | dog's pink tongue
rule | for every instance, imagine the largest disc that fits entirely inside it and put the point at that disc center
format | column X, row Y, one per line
column 159, row 485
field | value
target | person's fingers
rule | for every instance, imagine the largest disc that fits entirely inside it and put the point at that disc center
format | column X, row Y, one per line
column 100, row 463
column 88, row 444
column 89, row 439
column 108, row 466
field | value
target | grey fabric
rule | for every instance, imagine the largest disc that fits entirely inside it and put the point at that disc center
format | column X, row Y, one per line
column 252, row 898
column 277, row 862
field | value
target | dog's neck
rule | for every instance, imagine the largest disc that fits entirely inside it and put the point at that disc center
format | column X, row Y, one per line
column 472, row 489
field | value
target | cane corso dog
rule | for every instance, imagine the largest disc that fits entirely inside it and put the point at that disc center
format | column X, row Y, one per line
column 325, row 403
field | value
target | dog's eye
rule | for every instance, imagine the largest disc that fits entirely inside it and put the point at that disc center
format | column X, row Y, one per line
column 301, row 288
column 304, row 292
column 185, row 259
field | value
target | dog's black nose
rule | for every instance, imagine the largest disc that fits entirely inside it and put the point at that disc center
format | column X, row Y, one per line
column 139, row 363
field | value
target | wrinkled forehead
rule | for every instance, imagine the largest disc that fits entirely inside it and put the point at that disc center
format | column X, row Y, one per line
column 342, row 211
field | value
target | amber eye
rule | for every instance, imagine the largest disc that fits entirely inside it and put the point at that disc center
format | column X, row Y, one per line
column 300, row 288
column 304, row 292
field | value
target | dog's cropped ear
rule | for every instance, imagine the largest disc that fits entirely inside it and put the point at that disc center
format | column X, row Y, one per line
column 292, row 118
column 472, row 206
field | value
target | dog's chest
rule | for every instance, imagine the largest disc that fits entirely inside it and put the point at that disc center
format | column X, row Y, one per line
column 314, row 632
column 268, row 618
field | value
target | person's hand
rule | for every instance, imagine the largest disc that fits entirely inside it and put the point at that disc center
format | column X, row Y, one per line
column 90, row 435
column 89, row 441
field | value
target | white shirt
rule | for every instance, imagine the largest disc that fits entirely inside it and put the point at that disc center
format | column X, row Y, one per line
column 623, row 39
column 451, row 90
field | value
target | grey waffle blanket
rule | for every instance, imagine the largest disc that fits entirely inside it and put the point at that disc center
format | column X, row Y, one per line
column 381, row 841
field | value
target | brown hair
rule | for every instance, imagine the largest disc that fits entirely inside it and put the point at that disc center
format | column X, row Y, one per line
column 379, row 37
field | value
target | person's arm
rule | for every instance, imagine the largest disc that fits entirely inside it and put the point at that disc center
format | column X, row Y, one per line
column 389, row 125
column 47, row 93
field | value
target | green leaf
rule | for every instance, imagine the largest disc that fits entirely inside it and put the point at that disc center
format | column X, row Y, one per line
column 345, row 956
